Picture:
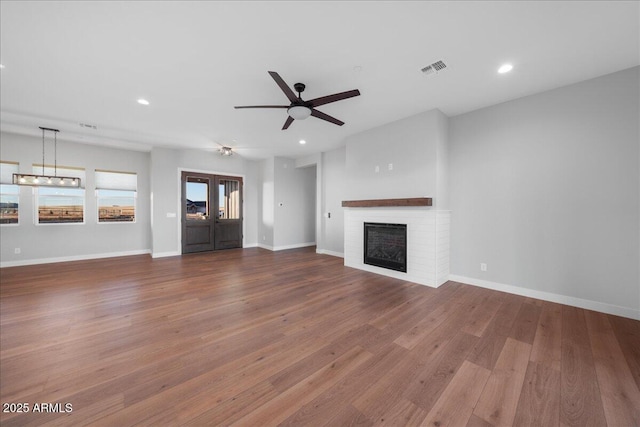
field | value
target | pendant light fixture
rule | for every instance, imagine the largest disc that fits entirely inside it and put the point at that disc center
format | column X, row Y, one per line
column 47, row 180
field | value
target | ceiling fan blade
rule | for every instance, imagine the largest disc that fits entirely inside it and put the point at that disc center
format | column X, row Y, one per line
column 288, row 122
column 333, row 98
column 262, row 106
column 323, row 116
column 285, row 88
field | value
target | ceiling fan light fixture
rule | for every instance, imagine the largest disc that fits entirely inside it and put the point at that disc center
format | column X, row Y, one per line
column 226, row 151
column 505, row 68
column 299, row 112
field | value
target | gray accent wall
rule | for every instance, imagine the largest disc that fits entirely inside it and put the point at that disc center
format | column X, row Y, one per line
column 166, row 167
column 165, row 188
column 333, row 193
column 287, row 204
column 57, row 242
column 546, row 191
column 158, row 210
column 266, row 203
column 295, row 204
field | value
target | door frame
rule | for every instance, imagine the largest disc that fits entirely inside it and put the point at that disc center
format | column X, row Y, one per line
column 179, row 201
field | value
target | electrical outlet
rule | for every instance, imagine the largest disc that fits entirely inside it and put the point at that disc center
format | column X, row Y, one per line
column 264, row 238
column 17, row 251
column 377, row 169
column 390, row 166
column 483, row 266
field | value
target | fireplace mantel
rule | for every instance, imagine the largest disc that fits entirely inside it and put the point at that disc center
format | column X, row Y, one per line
column 415, row 201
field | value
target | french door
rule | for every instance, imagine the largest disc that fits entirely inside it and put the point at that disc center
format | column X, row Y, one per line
column 211, row 212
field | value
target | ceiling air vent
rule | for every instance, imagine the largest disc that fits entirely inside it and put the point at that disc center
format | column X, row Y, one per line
column 436, row 67
column 86, row 125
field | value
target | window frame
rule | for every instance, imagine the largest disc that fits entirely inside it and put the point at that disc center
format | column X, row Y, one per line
column 15, row 168
column 100, row 186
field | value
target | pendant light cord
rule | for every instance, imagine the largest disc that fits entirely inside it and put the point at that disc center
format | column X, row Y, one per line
column 42, row 151
column 55, row 154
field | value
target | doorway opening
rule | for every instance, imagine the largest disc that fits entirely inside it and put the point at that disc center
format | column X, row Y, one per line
column 211, row 212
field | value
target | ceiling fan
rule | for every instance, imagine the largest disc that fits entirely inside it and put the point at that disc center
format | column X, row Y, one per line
column 300, row 109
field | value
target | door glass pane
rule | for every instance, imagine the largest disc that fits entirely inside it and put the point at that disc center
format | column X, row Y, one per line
column 197, row 199
column 229, row 196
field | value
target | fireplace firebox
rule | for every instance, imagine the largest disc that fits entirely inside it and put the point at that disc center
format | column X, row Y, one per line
column 385, row 245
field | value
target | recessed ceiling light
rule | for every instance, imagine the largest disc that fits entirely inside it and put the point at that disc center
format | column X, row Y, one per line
column 505, row 68
column 302, row 141
column 142, row 101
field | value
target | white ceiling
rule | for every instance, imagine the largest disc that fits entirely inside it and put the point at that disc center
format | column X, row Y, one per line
column 67, row 63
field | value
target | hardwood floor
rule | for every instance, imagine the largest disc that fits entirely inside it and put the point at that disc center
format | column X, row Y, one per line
column 255, row 338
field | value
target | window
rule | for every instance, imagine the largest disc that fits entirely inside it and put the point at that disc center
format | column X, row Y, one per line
column 229, row 199
column 197, row 198
column 9, row 193
column 116, row 196
column 60, row 205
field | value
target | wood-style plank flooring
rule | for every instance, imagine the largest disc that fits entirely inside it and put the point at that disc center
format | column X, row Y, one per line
column 256, row 338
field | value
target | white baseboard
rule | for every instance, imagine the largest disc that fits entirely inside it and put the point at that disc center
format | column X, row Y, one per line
column 294, row 246
column 250, row 245
column 165, row 254
column 72, row 258
column 285, row 247
column 548, row 296
column 328, row 252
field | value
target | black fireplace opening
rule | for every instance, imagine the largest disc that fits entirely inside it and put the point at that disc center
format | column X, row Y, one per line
column 385, row 245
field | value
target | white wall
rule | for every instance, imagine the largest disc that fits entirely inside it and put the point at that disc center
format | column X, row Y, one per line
column 546, row 191
column 441, row 136
column 60, row 242
column 411, row 146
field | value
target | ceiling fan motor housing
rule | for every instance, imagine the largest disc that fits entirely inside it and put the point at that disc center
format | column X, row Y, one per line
column 299, row 87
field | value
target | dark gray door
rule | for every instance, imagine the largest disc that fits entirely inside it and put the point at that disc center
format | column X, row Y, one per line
column 228, row 221
column 197, row 218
